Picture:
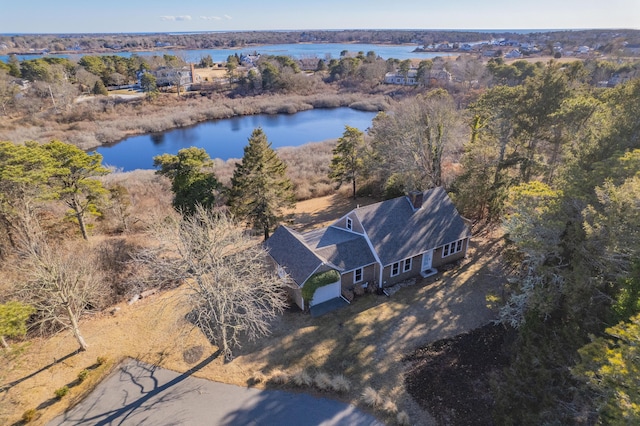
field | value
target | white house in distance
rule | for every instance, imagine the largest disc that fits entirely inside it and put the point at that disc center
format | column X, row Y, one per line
column 377, row 245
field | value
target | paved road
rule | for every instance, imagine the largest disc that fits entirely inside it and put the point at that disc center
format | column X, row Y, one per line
column 140, row 394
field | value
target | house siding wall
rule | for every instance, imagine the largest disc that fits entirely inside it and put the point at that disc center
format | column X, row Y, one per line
column 388, row 280
column 368, row 275
column 438, row 260
column 295, row 294
column 416, row 265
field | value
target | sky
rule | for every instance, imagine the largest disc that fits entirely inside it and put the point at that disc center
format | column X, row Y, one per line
column 125, row 16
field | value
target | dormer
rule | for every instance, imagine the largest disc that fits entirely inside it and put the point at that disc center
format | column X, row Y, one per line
column 350, row 222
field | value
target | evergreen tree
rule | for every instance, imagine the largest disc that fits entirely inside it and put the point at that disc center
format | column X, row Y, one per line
column 192, row 179
column 74, row 181
column 347, row 162
column 260, row 188
column 13, row 320
column 148, row 82
column 100, row 89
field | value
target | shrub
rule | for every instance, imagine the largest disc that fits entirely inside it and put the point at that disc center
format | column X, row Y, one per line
column 82, row 376
column 318, row 280
column 371, row 397
column 101, row 360
column 302, row 378
column 322, row 381
column 390, row 407
column 403, row 419
column 258, row 377
column 61, row 392
column 30, row 415
column 340, row 384
column 278, row 376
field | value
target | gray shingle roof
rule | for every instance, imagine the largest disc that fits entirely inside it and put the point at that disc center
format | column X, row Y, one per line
column 288, row 249
column 397, row 231
column 346, row 250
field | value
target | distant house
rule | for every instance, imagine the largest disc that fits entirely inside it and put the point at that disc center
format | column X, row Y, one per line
column 440, row 77
column 166, row 76
column 411, row 78
column 514, row 54
column 582, row 50
column 373, row 247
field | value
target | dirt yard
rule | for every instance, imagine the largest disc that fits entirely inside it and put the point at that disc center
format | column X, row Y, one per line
column 368, row 341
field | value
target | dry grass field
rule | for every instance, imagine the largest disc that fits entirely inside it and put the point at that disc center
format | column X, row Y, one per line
column 366, row 341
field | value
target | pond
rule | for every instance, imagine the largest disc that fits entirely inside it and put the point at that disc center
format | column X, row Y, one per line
column 226, row 138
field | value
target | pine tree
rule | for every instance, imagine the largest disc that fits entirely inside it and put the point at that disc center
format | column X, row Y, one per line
column 192, row 180
column 260, row 188
column 100, row 89
column 347, row 164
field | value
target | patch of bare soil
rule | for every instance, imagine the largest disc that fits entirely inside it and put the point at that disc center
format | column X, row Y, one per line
column 450, row 378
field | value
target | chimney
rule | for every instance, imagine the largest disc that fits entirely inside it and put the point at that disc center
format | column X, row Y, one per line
column 416, row 199
column 193, row 73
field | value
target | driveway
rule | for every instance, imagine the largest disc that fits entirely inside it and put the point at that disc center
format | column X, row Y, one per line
column 141, row 394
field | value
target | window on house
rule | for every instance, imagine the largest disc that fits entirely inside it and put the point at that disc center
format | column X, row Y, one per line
column 349, row 224
column 395, row 269
column 357, row 275
column 407, row 265
column 452, row 248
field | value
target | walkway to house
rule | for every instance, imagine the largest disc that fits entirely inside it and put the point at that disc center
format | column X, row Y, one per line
column 138, row 393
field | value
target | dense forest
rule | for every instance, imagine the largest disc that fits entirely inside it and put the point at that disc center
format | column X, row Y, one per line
column 538, row 150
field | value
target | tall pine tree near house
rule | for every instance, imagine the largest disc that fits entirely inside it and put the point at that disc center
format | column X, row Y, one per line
column 260, row 188
column 347, row 163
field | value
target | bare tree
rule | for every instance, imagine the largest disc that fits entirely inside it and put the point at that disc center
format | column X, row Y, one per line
column 412, row 141
column 58, row 283
column 233, row 291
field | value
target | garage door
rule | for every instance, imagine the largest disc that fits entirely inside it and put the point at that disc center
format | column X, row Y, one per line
column 324, row 293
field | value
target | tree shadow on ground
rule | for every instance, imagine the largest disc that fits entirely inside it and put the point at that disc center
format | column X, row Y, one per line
column 279, row 408
column 140, row 404
column 8, row 386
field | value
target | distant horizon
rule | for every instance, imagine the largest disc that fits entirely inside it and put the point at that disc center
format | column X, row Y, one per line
column 484, row 30
column 168, row 16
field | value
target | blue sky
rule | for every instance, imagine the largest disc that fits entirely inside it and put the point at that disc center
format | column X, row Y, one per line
column 81, row 16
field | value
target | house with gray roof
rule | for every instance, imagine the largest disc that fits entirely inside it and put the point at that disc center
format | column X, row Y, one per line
column 374, row 246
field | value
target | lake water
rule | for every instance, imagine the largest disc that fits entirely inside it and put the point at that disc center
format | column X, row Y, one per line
column 226, row 138
column 298, row 51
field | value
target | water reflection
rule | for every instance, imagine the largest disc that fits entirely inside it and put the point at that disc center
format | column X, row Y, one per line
column 157, row 138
